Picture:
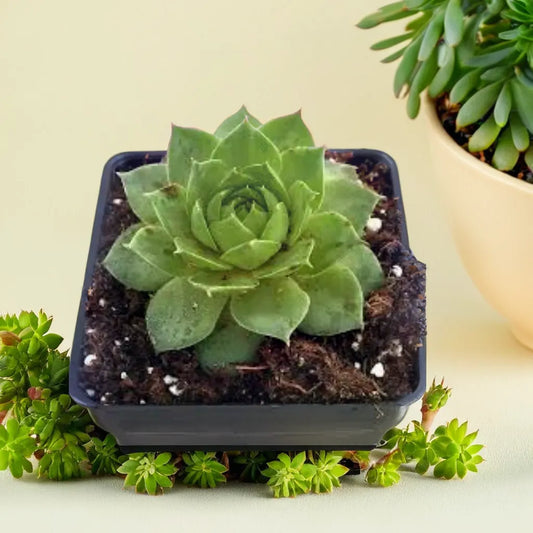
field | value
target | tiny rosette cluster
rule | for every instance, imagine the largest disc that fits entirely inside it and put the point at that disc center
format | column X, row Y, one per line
column 246, row 233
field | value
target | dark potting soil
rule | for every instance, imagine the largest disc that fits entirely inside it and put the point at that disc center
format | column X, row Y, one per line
column 371, row 365
column 448, row 113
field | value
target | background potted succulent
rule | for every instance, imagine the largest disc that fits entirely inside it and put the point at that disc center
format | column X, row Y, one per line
column 475, row 57
column 236, row 272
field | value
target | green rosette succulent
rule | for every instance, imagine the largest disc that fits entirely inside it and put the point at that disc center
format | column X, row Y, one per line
column 246, row 233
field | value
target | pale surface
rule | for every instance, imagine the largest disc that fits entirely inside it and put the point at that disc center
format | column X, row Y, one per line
column 83, row 81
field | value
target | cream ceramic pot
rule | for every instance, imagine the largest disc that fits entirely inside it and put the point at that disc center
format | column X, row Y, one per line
column 491, row 217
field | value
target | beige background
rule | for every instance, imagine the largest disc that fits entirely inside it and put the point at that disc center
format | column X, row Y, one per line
column 81, row 81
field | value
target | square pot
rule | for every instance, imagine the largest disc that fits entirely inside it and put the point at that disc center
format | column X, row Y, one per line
column 232, row 426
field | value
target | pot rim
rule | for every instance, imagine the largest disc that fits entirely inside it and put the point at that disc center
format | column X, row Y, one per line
column 497, row 175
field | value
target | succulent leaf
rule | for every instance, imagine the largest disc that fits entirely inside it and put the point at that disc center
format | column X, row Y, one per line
column 235, row 120
column 334, row 237
column 228, row 344
column 336, row 302
column 130, row 268
column 237, row 218
column 180, row 315
column 137, row 182
column 246, row 146
column 297, row 162
column 365, row 266
column 288, row 131
column 275, row 308
column 155, row 246
column 187, row 145
column 345, row 194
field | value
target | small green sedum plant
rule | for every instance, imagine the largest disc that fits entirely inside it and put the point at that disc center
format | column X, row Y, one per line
column 246, row 233
column 149, row 473
column 45, row 428
column 478, row 51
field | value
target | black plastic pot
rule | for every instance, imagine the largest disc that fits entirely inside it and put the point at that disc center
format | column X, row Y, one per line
column 224, row 427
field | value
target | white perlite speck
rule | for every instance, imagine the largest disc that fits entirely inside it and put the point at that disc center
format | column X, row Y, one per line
column 117, row 201
column 89, row 331
column 396, row 348
column 355, row 346
column 89, row 359
column 396, row 270
column 142, row 402
column 374, row 224
column 149, row 370
column 378, row 370
column 357, row 365
column 90, row 392
column 175, row 390
column 123, row 375
column 117, row 343
column 101, row 302
column 169, row 380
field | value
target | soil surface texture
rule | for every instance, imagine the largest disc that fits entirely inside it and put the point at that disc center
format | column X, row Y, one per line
column 379, row 363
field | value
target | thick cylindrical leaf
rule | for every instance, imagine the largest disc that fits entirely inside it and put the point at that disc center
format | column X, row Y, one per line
column 234, row 120
column 502, row 108
column 246, row 146
column 453, row 22
column 138, row 182
column 336, row 302
column 506, row 154
column 464, row 86
column 391, row 41
column 130, row 269
column 155, row 246
column 521, row 137
column 529, row 158
column 250, row 255
column 180, row 315
column 275, row 308
column 406, row 67
column 394, row 56
column 493, row 57
column 186, row 145
column 484, row 136
column 288, row 131
column 440, row 82
column 345, row 194
column 334, row 237
column 478, row 105
column 431, row 36
column 523, row 96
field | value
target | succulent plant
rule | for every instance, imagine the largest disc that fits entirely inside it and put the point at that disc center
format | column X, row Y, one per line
column 148, row 473
column 203, row 469
column 246, row 233
column 478, row 51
